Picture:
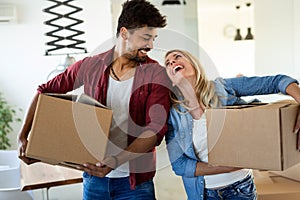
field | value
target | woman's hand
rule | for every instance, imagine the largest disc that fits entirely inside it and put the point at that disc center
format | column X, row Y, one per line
column 294, row 90
column 296, row 130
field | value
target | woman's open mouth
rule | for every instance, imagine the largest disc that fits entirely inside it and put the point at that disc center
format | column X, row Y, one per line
column 177, row 69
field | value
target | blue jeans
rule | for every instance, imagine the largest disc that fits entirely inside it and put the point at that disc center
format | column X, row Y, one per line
column 96, row 188
column 240, row 190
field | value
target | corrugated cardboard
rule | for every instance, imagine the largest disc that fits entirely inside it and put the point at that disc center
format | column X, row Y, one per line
column 270, row 187
column 65, row 132
column 291, row 173
column 258, row 137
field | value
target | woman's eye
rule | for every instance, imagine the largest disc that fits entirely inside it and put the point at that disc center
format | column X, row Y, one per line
column 177, row 56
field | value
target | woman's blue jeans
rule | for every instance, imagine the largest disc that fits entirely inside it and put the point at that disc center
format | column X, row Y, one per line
column 240, row 190
column 96, row 188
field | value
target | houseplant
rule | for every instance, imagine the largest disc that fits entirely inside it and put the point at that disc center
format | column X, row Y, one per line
column 7, row 117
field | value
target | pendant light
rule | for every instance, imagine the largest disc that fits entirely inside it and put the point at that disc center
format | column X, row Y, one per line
column 171, row 2
column 249, row 35
column 238, row 35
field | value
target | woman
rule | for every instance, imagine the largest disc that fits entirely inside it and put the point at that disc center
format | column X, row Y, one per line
column 186, row 138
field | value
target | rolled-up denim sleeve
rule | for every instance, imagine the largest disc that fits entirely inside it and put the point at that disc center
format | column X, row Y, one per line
column 247, row 86
column 285, row 82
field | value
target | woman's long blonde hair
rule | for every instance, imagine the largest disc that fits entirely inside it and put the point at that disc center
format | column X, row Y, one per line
column 204, row 88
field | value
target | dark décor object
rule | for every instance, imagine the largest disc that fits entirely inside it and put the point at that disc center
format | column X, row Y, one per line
column 64, row 34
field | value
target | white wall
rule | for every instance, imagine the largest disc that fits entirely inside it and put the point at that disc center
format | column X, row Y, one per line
column 297, row 38
column 229, row 57
column 278, row 37
column 275, row 30
column 22, row 47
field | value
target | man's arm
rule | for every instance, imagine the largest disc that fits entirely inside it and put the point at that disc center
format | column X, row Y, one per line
column 25, row 129
column 141, row 145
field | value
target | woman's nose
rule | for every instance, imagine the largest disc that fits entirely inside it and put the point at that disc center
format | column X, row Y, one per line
column 172, row 62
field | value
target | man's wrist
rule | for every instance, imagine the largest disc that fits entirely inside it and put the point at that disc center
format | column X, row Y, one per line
column 116, row 160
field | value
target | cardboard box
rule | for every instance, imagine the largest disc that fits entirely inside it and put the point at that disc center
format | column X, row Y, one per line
column 66, row 132
column 270, row 187
column 253, row 136
column 292, row 173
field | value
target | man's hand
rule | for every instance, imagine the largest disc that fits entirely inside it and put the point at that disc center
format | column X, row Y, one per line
column 100, row 169
column 22, row 148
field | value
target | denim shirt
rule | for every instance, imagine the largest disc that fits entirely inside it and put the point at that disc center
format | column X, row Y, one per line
column 179, row 138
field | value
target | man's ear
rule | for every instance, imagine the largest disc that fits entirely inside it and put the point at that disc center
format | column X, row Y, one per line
column 124, row 33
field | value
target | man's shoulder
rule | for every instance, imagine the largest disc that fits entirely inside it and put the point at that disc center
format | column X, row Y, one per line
column 103, row 57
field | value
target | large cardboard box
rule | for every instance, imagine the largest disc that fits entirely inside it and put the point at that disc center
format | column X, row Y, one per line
column 68, row 132
column 274, row 187
column 253, row 136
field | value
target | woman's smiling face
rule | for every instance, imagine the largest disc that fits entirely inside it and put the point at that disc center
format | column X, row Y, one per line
column 176, row 62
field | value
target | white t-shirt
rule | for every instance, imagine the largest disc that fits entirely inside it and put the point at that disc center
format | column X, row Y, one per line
column 201, row 150
column 118, row 96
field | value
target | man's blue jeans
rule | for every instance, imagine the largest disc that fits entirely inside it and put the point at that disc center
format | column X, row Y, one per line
column 241, row 190
column 96, row 188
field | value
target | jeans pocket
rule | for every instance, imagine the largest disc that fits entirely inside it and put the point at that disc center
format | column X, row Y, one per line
column 86, row 177
column 247, row 188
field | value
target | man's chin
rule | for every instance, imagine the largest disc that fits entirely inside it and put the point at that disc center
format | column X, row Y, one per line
column 139, row 58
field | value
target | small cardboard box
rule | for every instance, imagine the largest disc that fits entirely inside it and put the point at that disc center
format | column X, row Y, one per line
column 68, row 132
column 253, row 136
column 274, row 187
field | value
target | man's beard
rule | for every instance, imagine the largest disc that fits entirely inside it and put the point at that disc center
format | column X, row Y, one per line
column 138, row 58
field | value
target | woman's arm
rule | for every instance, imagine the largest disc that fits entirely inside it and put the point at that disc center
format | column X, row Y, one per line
column 203, row 168
column 294, row 90
column 258, row 85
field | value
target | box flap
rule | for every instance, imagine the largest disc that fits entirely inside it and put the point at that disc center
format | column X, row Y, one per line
column 291, row 173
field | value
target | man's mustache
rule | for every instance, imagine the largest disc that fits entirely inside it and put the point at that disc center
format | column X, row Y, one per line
column 145, row 49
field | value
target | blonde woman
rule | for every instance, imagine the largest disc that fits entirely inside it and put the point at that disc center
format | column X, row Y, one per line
column 186, row 138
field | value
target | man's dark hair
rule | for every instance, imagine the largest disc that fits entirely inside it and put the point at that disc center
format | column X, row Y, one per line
column 140, row 13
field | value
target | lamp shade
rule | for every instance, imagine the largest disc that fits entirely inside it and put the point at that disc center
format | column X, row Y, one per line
column 238, row 35
column 249, row 35
column 171, row 2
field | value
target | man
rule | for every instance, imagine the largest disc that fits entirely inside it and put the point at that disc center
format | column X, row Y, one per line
column 135, row 87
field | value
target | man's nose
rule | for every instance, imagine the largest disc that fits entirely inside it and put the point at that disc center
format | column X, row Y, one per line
column 150, row 44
